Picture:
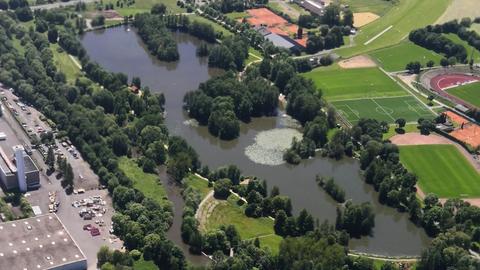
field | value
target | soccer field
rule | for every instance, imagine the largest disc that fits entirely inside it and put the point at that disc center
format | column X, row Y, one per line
column 396, row 57
column 441, row 169
column 470, row 93
column 339, row 84
column 383, row 109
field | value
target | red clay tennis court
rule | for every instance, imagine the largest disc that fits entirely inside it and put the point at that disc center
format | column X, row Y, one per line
column 467, row 131
column 274, row 23
column 446, row 81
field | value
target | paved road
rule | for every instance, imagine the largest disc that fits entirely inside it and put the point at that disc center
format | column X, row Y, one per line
column 60, row 4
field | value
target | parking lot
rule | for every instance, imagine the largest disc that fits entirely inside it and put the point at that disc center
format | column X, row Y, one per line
column 33, row 122
column 51, row 197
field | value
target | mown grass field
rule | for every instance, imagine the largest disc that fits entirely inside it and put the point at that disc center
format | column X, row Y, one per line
column 198, row 184
column 149, row 184
column 441, row 169
column 383, row 109
column 379, row 7
column 216, row 26
column 475, row 27
column 470, row 93
column 237, row 15
column 403, row 17
column 472, row 52
column 396, row 57
column 460, row 9
column 144, row 6
column 65, row 63
column 141, row 264
column 339, row 84
column 229, row 212
column 411, row 127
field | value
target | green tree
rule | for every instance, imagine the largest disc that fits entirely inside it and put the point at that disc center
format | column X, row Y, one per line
column 50, row 160
column 280, row 223
column 221, row 188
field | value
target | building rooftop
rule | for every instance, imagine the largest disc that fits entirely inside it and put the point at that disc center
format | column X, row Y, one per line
column 280, row 41
column 40, row 242
column 29, row 164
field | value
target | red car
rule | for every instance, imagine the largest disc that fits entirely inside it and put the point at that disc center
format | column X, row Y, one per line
column 87, row 227
column 94, row 231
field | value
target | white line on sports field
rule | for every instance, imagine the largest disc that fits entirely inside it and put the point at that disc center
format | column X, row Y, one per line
column 362, row 98
column 383, row 109
column 378, row 35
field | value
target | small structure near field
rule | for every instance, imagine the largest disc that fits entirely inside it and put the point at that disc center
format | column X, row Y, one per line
column 275, row 28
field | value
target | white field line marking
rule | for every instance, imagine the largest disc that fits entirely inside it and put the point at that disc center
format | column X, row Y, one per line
column 378, row 35
column 383, row 109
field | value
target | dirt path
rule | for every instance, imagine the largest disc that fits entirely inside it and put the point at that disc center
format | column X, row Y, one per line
column 205, row 209
column 361, row 61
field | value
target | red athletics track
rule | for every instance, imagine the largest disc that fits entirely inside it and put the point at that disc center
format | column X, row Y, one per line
column 443, row 82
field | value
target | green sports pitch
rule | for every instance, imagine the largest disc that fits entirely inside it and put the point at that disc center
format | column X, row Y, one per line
column 441, row 169
column 396, row 57
column 469, row 92
column 339, row 84
column 383, row 109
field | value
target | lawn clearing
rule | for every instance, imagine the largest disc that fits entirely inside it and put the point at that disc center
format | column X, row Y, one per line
column 472, row 52
column 383, row 109
column 379, row 7
column 339, row 84
column 228, row 212
column 441, row 169
column 411, row 127
column 237, row 15
column 142, row 264
column 459, row 9
column 198, row 184
column 404, row 16
column 470, row 93
column 64, row 63
column 141, row 6
column 148, row 183
column 396, row 57
column 216, row 26
column 475, row 27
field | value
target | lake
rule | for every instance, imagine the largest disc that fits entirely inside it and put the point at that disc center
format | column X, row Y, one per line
column 257, row 150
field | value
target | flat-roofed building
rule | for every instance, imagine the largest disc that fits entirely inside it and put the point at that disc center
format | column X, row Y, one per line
column 13, row 174
column 40, row 242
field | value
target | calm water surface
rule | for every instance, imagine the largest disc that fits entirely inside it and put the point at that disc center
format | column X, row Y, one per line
column 119, row 50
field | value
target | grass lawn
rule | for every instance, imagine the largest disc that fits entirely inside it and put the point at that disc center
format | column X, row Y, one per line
column 472, row 52
column 254, row 56
column 403, row 17
column 217, row 27
column 149, row 184
column 141, row 264
column 441, row 169
column 379, row 7
column 475, row 27
column 411, row 127
column 229, row 212
column 460, row 9
column 65, row 63
column 396, row 57
column 144, row 6
column 338, row 84
column 198, row 184
column 470, row 93
column 237, row 15
column 383, row 109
